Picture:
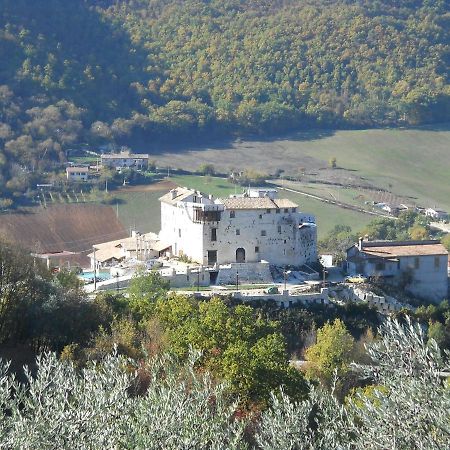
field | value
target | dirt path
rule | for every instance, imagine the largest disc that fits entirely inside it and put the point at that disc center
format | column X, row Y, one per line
column 333, row 202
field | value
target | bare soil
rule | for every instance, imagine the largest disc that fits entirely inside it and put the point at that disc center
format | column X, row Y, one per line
column 71, row 227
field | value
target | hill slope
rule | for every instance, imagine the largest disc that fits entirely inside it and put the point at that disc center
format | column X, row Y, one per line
column 171, row 70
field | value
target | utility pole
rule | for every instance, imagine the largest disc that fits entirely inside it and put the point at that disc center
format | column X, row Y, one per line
column 95, row 271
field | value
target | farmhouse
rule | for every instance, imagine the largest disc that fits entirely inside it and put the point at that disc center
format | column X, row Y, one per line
column 419, row 266
column 248, row 228
column 77, row 173
column 125, row 160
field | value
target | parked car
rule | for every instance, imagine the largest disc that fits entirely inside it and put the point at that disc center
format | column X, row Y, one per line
column 272, row 290
column 153, row 264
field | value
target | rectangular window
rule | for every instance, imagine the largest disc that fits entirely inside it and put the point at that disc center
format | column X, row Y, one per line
column 256, row 249
column 232, row 214
column 213, row 234
column 212, row 257
column 277, row 211
column 436, row 262
column 416, row 263
column 294, row 209
column 286, row 210
column 238, row 232
column 260, row 216
column 268, row 211
column 279, row 229
column 263, row 232
column 179, row 232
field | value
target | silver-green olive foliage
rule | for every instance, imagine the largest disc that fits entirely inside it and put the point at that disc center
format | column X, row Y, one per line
column 65, row 408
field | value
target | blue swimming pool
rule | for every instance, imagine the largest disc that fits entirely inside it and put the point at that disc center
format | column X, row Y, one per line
column 89, row 275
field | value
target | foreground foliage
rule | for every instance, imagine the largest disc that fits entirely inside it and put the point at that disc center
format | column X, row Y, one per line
column 163, row 405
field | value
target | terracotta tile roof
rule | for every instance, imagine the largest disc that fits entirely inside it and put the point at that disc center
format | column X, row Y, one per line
column 285, row 203
column 257, row 203
column 393, row 251
column 180, row 194
column 77, row 169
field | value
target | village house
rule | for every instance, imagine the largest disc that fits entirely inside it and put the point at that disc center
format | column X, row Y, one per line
column 419, row 266
column 77, row 173
column 248, row 228
column 437, row 214
column 138, row 246
column 125, row 160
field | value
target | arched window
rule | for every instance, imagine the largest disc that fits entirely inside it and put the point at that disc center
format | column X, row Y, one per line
column 240, row 255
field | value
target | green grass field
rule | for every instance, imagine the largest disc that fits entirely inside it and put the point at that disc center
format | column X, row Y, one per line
column 413, row 163
column 139, row 210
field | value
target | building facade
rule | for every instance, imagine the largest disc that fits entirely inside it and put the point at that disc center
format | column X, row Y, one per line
column 247, row 228
column 418, row 266
column 77, row 173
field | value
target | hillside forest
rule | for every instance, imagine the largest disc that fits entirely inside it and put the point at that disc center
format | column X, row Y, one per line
column 146, row 72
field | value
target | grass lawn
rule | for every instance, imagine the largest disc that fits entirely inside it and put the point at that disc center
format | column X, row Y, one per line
column 219, row 187
column 139, row 210
column 327, row 216
column 414, row 162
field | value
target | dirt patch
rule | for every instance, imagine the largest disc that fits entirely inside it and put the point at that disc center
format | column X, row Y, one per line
column 72, row 227
column 163, row 185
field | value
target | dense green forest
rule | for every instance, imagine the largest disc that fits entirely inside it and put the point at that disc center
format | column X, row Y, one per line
column 169, row 70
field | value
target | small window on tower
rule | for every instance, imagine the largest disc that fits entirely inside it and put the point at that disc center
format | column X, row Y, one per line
column 238, row 232
column 263, row 232
column 179, row 232
column 279, row 229
column 256, row 249
column 232, row 214
column 213, row 234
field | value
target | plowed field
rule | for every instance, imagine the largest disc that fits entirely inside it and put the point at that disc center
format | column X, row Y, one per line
column 62, row 227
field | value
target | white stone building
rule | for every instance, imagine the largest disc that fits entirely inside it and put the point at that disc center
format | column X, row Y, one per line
column 437, row 214
column 418, row 266
column 77, row 173
column 248, row 228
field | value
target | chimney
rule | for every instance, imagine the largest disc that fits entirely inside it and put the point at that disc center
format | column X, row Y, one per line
column 360, row 241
